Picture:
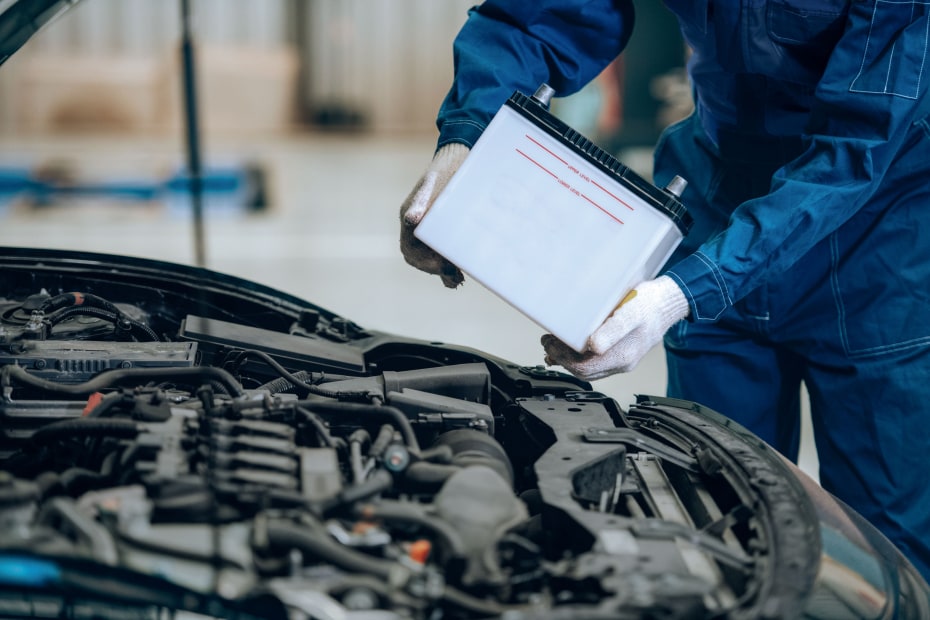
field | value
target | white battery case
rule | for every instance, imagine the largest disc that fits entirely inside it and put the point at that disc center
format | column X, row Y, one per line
column 550, row 223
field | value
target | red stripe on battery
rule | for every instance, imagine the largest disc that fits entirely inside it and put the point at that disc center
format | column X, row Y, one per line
column 537, row 163
column 545, row 149
column 592, row 181
column 556, row 177
column 609, row 214
column 611, row 195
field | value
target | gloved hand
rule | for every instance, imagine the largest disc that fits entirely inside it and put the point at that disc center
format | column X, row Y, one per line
column 636, row 326
column 445, row 162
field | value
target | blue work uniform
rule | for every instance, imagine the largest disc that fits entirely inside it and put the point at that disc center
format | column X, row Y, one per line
column 808, row 162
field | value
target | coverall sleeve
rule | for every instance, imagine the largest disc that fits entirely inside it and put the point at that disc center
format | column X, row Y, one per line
column 873, row 89
column 509, row 45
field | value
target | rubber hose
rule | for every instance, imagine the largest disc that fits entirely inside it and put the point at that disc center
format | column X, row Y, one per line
column 378, row 482
column 430, row 474
column 314, row 420
column 297, row 382
column 85, row 426
column 291, row 536
column 475, row 604
column 111, row 378
column 409, row 512
column 382, row 440
column 66, row 300
column 105, row 406
column 281, row 384
column 393, row 414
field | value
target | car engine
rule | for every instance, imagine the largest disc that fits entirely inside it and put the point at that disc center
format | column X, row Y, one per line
column 181, row 444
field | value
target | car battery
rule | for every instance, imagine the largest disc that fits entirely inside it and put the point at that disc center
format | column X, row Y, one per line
column 551, row 223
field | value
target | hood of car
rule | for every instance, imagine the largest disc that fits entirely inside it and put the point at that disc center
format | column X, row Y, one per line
column 20, row 19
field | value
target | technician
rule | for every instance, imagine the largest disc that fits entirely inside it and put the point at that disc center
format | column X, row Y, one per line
column 808, row 162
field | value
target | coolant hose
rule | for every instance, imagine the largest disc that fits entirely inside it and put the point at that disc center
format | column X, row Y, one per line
column 85, row 426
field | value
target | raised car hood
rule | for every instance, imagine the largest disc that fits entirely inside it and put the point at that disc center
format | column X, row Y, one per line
column 20, row 19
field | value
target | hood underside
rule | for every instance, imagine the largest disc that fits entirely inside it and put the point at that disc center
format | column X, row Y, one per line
column 21, row 19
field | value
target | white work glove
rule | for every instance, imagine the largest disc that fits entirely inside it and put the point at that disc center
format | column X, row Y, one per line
column 636, row 326
column 445, row 162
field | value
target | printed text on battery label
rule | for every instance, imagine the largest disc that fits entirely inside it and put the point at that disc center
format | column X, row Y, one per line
column 578, row 173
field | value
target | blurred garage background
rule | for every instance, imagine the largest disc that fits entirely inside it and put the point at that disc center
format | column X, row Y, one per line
column 316, row 119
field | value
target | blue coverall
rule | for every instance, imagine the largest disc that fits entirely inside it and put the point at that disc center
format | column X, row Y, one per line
column 808, row 162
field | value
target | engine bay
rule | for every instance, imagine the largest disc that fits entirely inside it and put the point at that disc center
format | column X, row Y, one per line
column 177, row 445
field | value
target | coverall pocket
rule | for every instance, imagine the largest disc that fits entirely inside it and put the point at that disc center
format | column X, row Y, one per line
column 803, row 34
column 895, row 54
column 807, row 24
column 881, row 308
column 880, row 261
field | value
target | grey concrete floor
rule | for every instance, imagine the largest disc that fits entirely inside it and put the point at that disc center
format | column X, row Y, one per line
column 329, row 235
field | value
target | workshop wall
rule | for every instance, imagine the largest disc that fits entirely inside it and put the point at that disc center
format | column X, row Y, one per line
column 264, row 65
column 384, row 63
